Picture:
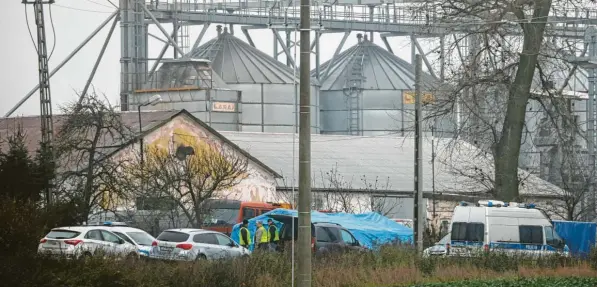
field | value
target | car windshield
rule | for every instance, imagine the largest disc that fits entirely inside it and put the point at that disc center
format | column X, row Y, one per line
column 141, row 238
column 445, row 240
column 62, row 234
column 221, row 216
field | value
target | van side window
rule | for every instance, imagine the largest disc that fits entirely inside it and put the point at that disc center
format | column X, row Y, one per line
column 470, row 232
column 531, row 234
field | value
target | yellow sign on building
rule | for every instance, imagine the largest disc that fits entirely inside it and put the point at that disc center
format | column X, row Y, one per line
column 408, row 97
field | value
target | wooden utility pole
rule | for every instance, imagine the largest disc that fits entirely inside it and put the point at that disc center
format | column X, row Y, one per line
column 304, row 206
column 418, row 218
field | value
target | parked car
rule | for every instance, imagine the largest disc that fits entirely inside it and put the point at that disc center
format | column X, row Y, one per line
column 138, row 237
column 195, row 244
column 439, row 249
column 85, row 241
column 326, row 237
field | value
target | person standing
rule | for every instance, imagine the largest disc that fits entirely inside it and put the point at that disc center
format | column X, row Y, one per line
column 261, row 237
column 244, row 235
column 273, row 234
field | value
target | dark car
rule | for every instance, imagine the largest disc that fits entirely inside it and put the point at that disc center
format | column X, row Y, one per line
column 326, row 237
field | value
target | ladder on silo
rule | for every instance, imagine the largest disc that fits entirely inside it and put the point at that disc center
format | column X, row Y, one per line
column 182, row 36
column 353, row 91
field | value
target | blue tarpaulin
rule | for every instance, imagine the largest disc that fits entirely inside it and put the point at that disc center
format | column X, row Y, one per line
column 579, row 236
column 370, row 229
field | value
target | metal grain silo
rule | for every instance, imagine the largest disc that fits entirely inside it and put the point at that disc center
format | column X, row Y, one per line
column 190, row 84
column 367, row 90
column 268, row 86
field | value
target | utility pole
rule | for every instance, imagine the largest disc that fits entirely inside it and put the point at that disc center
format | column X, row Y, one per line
column 418, row 199
column 47, row 130
column 304, row 206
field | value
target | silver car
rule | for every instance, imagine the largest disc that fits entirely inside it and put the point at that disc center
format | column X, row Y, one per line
column 439, row 249
column 195, row 244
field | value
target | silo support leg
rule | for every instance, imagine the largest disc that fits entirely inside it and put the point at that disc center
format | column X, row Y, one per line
column 160, row 56
column 385, row 41
column 284, row 47
column 249, row 39
column 157, row 23
column 198, row 40
column 338, row 49
column 423, row 55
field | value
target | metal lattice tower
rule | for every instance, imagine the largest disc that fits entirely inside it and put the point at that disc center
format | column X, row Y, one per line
column 45, row 99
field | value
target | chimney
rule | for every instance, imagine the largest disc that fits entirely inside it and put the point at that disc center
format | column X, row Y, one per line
column 366, row 37
column 219, row 29
column 360, row 37
column 225, row 29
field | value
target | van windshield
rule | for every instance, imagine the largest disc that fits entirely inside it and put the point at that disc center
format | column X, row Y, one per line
column 469, row 232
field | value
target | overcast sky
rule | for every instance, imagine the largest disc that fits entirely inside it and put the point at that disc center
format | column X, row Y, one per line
column 74, row 20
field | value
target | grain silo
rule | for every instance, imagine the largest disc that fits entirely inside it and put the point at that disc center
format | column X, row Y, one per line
column 267, row 85
column 190, row 84
column 367, row 90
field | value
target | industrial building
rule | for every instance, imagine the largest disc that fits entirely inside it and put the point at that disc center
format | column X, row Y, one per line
column 365, row 91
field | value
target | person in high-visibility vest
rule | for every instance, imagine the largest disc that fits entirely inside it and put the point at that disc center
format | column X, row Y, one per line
column 273, row 234
column 261, row 236
column 244, row 235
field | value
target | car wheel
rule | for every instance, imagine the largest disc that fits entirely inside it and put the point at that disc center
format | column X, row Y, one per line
column 200, row 257
column 86, row 256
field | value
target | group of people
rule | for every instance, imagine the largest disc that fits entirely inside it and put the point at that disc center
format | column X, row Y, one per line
column 265, row 239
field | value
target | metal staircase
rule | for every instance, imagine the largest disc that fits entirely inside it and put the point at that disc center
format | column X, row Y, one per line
column 353, row 89
column 182, row 36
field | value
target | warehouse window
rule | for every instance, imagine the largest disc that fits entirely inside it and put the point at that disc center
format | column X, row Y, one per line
column 531, row 234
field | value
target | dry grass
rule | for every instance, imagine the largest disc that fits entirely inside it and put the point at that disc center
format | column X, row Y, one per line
column 390, row 267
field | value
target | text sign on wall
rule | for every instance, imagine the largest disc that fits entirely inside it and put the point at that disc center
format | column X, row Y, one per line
column 223, row 107
column 408, row 97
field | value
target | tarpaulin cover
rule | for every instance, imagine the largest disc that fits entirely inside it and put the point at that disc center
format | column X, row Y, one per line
column 370, row 229
column 579, row 236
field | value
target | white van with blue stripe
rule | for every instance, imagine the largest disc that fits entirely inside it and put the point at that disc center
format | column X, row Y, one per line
column 496, row 226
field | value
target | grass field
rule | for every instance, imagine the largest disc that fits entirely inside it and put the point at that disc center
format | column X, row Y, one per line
column 392, row 266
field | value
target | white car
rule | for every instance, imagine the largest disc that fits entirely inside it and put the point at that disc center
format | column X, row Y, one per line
column 83, row 241
column 195, row 244
column 439, row 249
column 138, row 237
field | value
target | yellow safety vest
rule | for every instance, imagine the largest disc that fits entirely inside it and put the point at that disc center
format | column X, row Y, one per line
column 264, row 235
column 276, row 234
column 240, row 235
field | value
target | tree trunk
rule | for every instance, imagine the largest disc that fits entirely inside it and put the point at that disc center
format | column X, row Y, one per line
column 507, row 150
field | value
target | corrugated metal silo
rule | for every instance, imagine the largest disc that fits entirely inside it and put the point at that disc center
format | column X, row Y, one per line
column 267, row 86
column 367, row 90
column 190, row 84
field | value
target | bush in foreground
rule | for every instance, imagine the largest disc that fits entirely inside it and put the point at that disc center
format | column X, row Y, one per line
column 390, row 267
column 525, row 282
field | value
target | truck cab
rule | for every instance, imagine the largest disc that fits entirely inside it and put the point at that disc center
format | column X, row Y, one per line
column 222, row 214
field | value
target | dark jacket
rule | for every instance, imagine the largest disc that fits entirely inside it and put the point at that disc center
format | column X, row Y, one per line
column 272, row 233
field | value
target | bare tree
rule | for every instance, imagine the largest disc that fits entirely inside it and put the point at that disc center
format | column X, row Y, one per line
column 191, row 173
column 490, row 86
column 89, row 132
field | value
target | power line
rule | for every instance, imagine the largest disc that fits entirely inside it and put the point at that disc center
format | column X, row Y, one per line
column 83, row 10
column 53, row 33
column 29, row 29
column 100, row 4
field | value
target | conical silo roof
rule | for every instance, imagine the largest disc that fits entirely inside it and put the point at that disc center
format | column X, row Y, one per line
column 381, row 70
column 239, row 63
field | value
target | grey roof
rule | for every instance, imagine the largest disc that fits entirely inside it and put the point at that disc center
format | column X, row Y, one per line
column 382, row 70
column 238, row 63
column 458, row 166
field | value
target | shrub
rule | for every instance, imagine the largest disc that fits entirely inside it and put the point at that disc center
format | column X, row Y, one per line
column 529, row 282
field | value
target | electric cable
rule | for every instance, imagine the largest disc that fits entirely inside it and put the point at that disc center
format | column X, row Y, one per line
column 29, row 29
column 53, row 33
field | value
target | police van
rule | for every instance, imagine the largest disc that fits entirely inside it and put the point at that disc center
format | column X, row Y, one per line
column 497, row 226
